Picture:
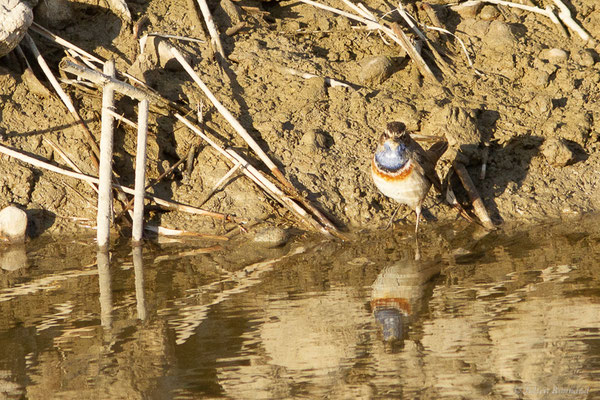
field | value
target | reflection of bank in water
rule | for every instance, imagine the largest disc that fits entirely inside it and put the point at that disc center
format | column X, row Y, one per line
column 398, row 294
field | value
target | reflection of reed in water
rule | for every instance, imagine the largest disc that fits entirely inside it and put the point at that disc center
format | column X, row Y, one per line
column 398, row 294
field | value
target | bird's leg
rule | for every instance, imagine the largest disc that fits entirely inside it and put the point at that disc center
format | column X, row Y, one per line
column 418, row 211
column 417, row 249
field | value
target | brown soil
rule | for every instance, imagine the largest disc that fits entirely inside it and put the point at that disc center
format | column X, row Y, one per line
column 538, row 111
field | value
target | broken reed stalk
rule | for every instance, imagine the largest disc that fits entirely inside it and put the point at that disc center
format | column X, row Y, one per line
column 161, row 230
column 63, row 96
column 478, row 206
column 276, row 193
column 412, row 52
column 104, row 216
column 408, row 19
column 167, row 204
column 305, row 75
column 563, row 13
column 252, row 143
column 140, row 171
column 225, row 113
column 101, row 79
column 219, row 183
column 258, row 178
column 123, row 119
column 212, row 29
column 37, row 28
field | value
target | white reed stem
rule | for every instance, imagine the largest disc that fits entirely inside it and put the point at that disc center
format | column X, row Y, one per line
column 105, row 170
column 140, row 171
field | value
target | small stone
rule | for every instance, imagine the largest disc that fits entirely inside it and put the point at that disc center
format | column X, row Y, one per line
column 54, row 13
column 540, row 79
column 230, row 10
column 375, row 70
column 13, row 224
column 157, row 48
column 15, row 18
column 271, row 236
column 467, row 10
column 554, row 56
column 500, row 36
column 313, row 90
column 489, row 12
column 557, row 153
column 586, row 57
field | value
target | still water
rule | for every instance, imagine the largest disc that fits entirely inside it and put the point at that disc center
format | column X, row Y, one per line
column 513, row 314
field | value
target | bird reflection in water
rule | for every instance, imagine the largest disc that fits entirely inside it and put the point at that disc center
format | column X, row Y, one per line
column 399, row 293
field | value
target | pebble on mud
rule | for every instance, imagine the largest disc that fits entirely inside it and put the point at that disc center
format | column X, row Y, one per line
column 375, row 70
column 15, row 18
column 555, row 56
column 158, row 47
column 586, row 57
column 314, row 139
column 271, row 236
column 13, row 224
column 467, row 9
column 557, row 153
column 54, row 13
column 489, row 12
column 499, row 36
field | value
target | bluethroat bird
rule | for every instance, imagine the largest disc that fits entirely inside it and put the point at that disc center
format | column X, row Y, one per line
column 403, row 170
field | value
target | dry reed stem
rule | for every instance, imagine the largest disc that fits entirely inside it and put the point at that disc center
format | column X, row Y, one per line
column 219, row 183
column 257, row 177
column 563, row 13
column 305, row 75
column 161, row 230
column 409, row 20
column 101, row 79
column 478, row 206
column 66, row 158
column 63, row 96
column 64, row 43
column 396, row 35
column 105, row 199
column 140, row 171
column 240, row 130
column 212, row 29
column 123, row 119
column 167, row 204
column 412, row 52
column 251, row 142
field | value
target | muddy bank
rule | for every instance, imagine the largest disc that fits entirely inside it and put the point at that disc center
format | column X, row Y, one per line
column 534, row 106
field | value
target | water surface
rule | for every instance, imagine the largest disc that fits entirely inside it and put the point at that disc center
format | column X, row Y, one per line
column 510, row 314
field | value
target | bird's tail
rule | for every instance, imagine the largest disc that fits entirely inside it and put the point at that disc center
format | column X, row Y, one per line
column 436, row 150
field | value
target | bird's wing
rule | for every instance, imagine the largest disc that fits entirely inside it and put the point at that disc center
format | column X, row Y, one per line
column 424, row 160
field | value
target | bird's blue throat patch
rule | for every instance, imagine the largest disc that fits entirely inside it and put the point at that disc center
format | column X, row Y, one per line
column 391, row 159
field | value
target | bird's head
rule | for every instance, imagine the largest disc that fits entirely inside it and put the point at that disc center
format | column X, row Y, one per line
column 390, row 154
